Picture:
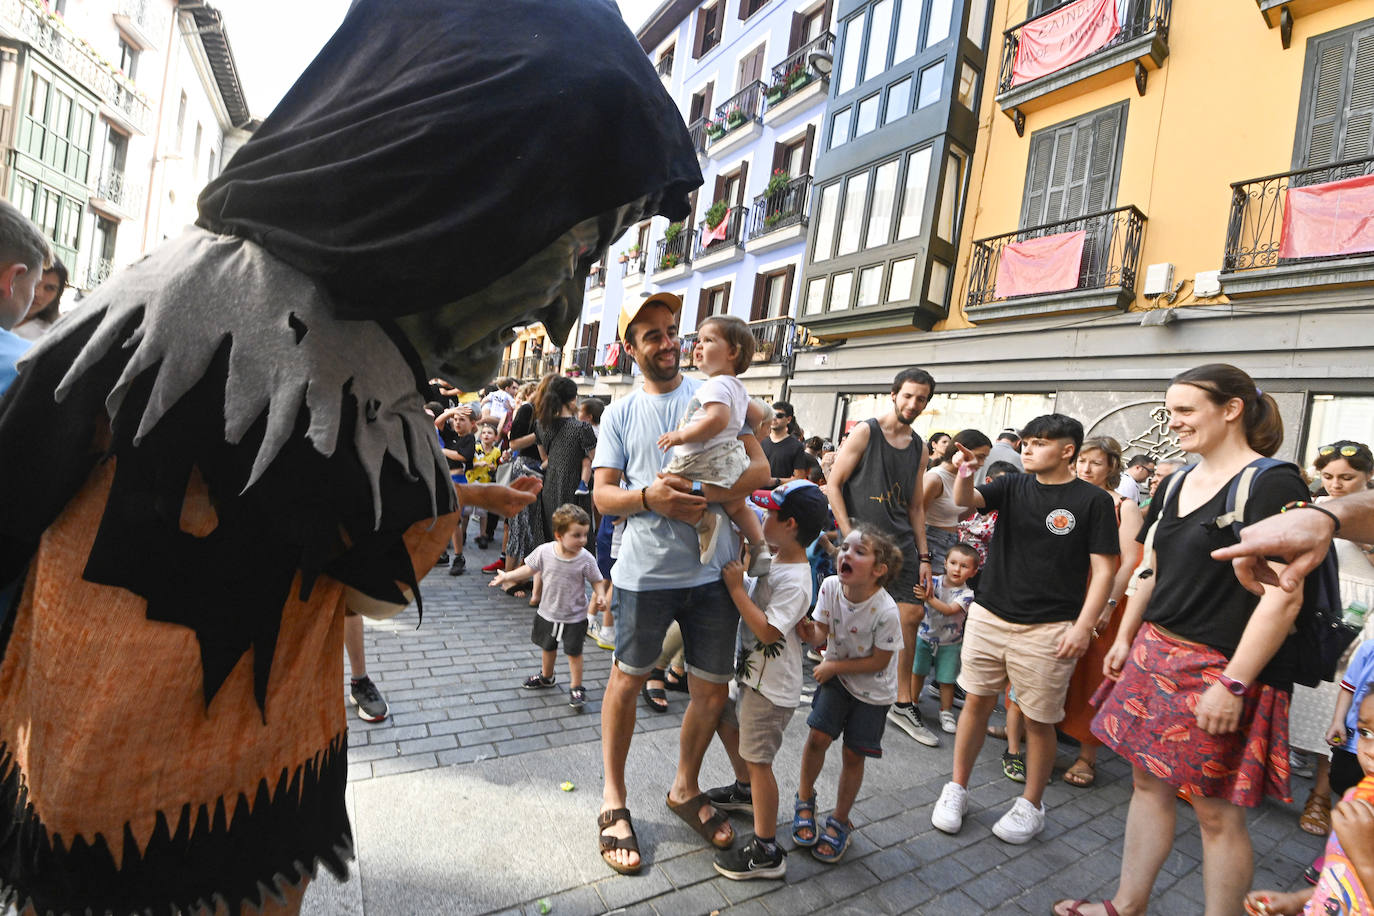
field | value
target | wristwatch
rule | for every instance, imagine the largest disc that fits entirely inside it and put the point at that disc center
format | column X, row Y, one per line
column 1234, row 686
column 696, row 487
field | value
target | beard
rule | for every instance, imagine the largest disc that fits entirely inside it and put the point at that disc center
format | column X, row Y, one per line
column 655, row 371
column 904, row 419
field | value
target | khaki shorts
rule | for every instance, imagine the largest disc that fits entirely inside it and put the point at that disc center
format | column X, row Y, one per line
column 760, row 725
column 996, row 651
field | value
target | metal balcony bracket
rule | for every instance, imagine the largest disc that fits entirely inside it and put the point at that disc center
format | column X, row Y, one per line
column 1285, row 26
column 1018, row 120
column 1140, row 77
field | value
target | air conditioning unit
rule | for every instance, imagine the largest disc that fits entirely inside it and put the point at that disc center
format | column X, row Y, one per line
column 1159, row 279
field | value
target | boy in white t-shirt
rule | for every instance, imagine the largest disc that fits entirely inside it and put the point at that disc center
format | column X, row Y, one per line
column 859, row 623
column 768, row 672
column 567, row 568
column 706, row 447
column 940, row 638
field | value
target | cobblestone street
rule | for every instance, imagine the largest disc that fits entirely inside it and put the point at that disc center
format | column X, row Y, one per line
column 457, row 807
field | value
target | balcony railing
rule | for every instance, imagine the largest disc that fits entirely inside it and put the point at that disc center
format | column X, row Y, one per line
column 1254, row 232
column 697, row 131
column 665, row 65
column 115, row 187
column 674, row 252
column 734, row 225
column 551, row 361
column 1111, row 253
column 1142, row 18
column 47, row 33
column 597, row 278
column 688, row 343
column 530, row 366
column 581, row 362
column 772, row 339
column 796, row 69
column 509, row 367
column 633, row 264
column 143, row 18
column 98, row 272
column 741, row 108
column 784, row 207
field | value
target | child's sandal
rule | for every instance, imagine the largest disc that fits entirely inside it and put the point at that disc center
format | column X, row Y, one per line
column 837, row 843
column 804, row 823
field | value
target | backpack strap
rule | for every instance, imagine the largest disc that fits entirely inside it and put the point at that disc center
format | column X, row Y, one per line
column 1239, row 494
column 1147, row 557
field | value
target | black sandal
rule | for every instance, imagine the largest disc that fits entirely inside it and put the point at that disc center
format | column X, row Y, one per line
column 674, row 681
column 516, row 591
column 654, row 696
column 611, row 843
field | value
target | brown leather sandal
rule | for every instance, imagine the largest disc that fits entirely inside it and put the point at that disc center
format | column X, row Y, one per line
column 1316, row 815
column 690, row 810
column 611, row 843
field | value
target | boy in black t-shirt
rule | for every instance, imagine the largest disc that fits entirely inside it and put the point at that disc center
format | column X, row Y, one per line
column 1035, row 609
column 460, row 448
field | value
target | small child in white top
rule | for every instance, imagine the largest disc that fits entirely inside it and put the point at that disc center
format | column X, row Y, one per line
column 567, row 568
column 940, row 637
column 706, row 447
column 859, row 623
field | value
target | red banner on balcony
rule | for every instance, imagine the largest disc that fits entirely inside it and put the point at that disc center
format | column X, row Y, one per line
column 1045, row 265
column 717, row 232
column 1328, row 219
column 1063, row 37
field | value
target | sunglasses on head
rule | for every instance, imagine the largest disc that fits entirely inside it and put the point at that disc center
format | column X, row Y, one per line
column 1349, row 451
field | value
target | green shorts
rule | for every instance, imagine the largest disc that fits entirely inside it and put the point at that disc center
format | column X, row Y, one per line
column 945, row 661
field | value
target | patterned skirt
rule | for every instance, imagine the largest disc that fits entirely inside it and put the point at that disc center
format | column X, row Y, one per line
column 1149, row 717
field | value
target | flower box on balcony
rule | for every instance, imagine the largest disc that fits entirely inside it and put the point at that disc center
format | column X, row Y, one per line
column 777, row 92
column 734, row 118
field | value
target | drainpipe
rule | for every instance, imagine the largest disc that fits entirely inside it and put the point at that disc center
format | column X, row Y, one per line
column 156, row 170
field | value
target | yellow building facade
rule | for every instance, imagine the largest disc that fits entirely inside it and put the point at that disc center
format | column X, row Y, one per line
column 1178, row 117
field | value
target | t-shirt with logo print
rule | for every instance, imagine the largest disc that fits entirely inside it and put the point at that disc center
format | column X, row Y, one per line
column 856, row 630
column 1038, row 561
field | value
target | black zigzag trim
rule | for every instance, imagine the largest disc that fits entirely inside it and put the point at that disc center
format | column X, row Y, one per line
column 209, row 857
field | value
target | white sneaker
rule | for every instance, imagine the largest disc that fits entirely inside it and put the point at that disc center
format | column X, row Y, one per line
column 1021, row 823
column 908, row 719
column 948, row 814
column 948, row 723
column 605, row 637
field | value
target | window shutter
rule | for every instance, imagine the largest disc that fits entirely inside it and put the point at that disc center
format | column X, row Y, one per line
column 743, row 183
column 703, row 303
column 825, row 16
column 757, row 306
column 725, row 299
column 795, row 37
column 1328, row 101
column 1037, row 179
column 806, row 150
column 779, row 157
column 1057, row 190
column 700, row 36
column 1106, row 133
column 707, row 99
column 787, row 291
column 1358, row 135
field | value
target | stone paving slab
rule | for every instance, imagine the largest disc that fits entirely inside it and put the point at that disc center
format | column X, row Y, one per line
column 478, row 825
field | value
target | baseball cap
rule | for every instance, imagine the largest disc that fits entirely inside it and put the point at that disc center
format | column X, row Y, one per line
column 801, row 500
column 630, row 311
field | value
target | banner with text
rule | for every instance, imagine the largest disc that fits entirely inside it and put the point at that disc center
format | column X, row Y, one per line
column 1063, row 37
column 1328, row 219
column 1045, row 265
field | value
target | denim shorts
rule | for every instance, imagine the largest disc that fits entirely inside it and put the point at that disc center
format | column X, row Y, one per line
column 835, row 711
column 705, row 614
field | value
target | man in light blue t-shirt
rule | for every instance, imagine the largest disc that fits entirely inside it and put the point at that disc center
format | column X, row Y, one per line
column 659, row 576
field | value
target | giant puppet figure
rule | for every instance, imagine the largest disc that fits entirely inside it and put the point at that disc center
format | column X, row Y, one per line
column 201, row 464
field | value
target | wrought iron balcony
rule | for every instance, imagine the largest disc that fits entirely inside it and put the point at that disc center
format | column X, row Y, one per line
column 675, row 251
column 529, row 366
column 740, row 109
column 143, row 19
column 1111, row 259
column 697, row 131
column 796, row 69
column 734, row 225
column 784, row 207
column 772, row 339
column 633, row 264
column 115, row 187
column 1142, row 18
column 581, row 362
column 99, row 272
column 665, row 66
column 49, row 34
column 597, row 278
column 1254, row 233
column 688, row 342
column 551, row 361
column 509, row 367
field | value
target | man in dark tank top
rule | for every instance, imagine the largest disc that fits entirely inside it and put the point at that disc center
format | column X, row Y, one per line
column 877, row 479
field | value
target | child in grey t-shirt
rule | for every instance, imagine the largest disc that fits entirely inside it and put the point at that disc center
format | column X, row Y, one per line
column 567, row 569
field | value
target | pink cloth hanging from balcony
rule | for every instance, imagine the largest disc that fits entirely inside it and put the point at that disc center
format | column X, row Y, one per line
column 1328, row 219
column 1045, row 265
column 718, row 233
column 1063, row 37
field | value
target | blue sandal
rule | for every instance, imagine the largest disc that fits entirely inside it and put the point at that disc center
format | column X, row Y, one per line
column 800, row 823
column 839, row 842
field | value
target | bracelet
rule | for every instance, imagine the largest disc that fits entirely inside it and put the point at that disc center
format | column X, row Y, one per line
column 644, row 497
column 1304, row 504
column 925, row 558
